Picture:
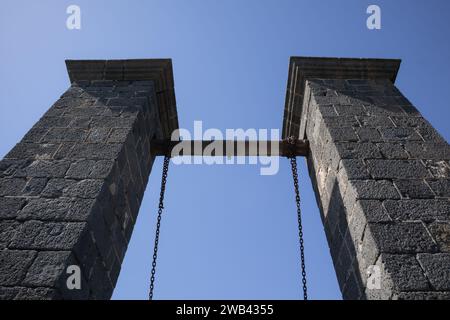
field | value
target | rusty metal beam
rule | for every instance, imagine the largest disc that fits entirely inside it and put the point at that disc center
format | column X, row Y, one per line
column 283, row 148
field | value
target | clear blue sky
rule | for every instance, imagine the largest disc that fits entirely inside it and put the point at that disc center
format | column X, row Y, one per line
column 227, row 231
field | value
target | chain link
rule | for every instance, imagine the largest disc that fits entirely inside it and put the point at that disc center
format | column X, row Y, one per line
column 293, row 160
column 161, row 207
column 158, row 224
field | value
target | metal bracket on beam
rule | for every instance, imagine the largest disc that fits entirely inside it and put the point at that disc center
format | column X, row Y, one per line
column 230, row 148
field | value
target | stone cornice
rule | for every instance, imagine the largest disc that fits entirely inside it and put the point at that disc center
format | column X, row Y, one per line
column 158, row 70
column 303, row 68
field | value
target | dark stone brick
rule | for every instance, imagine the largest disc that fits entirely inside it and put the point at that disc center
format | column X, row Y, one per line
column 9, row 167
column 140, row 101
column 53, row 122
column 375, row 121
column 35, row 135
column 343, row 134
column 34, row 186
column 89, row 188
column 80, row 122
column 8, row 229
column 95, row 151
column 440, row 186
column 14, row 265
column 47, row 235
column 378, row 110
column 331, row 100
column 368, row 134
column 392, row 151
column 373, row 189
column 98, row 134
column 430, row 134
column 397, row 169
column 64, row 149
column 400, row 134
column 62, row 209
column 113, row 122
column 354, row 169
column 410, row 122
column 418, row 209
column 437, row 269
column 438, row 169
column 65, row 135
column 423, row 296
column 37, row 294
column 8, row 293
column 350, row 110
column 57, row 187
column 47, row 268
column 372, row 210
column 358, row 150
column 414, row 189
column 118, row 135
column 440, row 231
column 78, row 112
column 12, row 187
column 410, row 237
column 427, row 150
column 32, row 151
column 44, row 169
column 84, row 169
column 405, row 272
column 10, row 206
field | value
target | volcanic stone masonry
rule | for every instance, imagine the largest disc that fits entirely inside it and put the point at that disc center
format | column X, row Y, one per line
column 381, row 177
column 70, row 191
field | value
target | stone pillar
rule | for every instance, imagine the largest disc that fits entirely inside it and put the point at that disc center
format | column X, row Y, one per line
column 381, row 177
column 70, row 191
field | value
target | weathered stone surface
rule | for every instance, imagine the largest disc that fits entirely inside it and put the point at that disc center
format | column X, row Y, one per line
column 32, row 151
column 414, row 189
column 405, row 272
column 428, row 150
column 47, row 235
column 422, row 296
column 10, row 206
column 368, row 134
column 441, row 187
column 61, row 209
column 84, row 169
column 34, row 186
column 12, row 187
column 354, row 169
column 95, row 151
column 8, row 229
column 44, row 169
column 47, row 268
column 70, row 191
column 392, row 151
column 14, row 265
column 25, row 293
column 400, row 134
column 440, row 231
column 423, row 209
column 373, row 189
column 437, row 269
column 397, row 169
column 361, row 150
column 408, row 237
column 384, row 195
column 372, row 210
